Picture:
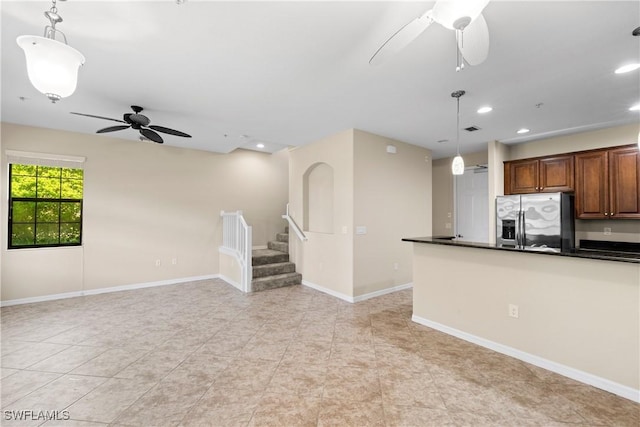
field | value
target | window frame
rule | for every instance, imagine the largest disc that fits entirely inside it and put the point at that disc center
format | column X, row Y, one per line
column 37, row 200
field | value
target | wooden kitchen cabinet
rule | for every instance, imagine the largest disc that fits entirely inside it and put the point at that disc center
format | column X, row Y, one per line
column 608, row 183
column 540, row 175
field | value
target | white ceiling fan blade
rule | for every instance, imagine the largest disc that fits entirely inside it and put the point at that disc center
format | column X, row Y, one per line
column 457, row 14
column 474, row 43
column 402, row 38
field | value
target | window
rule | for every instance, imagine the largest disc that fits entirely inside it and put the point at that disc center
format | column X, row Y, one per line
column 45, row 206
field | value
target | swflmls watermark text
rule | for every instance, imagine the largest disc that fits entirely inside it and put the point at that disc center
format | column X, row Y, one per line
column 33, row 415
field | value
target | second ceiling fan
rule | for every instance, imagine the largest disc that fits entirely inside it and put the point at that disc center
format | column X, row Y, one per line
column 462, row 16
column 138, row 122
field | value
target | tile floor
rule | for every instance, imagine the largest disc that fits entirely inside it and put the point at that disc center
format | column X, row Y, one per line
column 203, row 354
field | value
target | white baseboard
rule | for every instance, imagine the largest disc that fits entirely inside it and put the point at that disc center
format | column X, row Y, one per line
column 383, row 292
column 328, row 291
column 567, row 371
column 359, row 298
column 52, row 297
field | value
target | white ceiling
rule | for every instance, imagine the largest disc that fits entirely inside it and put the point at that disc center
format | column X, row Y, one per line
column 289, row 73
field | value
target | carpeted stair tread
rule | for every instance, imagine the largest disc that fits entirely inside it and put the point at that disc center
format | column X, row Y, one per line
column 273, row 269
column 282, row 237
column 278, row 246
column 268, row 256
column 277, row 281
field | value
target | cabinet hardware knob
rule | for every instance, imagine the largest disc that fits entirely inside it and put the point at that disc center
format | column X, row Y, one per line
column 606, row 213
column 611, row 214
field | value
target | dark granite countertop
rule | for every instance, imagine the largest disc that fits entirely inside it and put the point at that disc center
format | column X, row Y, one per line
column 629, row 257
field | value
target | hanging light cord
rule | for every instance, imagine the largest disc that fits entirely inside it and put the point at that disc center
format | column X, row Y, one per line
column 458, row 128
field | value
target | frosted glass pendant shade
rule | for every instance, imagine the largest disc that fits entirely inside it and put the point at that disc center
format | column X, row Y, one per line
column 457, row 166
column 52, row 66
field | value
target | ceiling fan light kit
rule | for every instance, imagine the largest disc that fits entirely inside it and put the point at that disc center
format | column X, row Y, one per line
column 52, row 65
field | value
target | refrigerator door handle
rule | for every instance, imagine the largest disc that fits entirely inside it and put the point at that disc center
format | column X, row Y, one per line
column 518, row 229
column 523, row 233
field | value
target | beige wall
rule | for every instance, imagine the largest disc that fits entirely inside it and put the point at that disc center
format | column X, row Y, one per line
column 389, row 194
column 143, row 202
column 610, row 137
column 326, row 259
column 392, row 199
column 443, row 203
column 583, row 314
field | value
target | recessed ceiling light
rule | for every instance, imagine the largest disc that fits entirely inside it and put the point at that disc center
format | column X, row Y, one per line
column 523, row 130
column 635, row 108
column 627, row 68
column 483, row 110
column 260, row 145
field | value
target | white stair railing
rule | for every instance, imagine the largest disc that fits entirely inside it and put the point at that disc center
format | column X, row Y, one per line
column 236, row 241
column 294, row 226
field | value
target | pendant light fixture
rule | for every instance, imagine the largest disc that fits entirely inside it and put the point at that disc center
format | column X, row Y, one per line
column 52, row 65
column 457, row 166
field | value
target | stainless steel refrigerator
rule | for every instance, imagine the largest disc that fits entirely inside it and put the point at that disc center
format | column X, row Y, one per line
column 536, row 222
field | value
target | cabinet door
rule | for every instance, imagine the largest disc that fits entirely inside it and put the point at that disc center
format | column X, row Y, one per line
column 522, row 177
column 592, row 192
column 624, row 183
column 556, row 174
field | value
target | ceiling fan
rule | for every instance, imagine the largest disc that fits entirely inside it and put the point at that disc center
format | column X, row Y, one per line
column 138, row 122
column 462, row 16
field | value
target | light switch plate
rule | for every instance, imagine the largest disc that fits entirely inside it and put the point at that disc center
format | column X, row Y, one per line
column 361, row 229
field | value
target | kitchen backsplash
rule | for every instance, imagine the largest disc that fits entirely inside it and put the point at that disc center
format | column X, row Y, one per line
column 621, row 230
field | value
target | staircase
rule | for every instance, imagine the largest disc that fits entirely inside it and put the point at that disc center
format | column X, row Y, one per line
column 271, row 266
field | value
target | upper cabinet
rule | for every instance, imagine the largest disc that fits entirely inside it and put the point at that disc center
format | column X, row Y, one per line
column 540, row 175
column 608, row 183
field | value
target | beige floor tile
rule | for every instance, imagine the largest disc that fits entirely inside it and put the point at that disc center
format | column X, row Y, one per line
column 340, row 413
column 58, row 394
column 247, row 374
column 204, row 354
column 31, row 354
column 349, row 383
column 166, row 404
column 352, row 354
column 22, row 383
column 109, row 363
column 68, row 359
column 9, row 346
column 414, row 416
column 275, row 410
column 108, row 400
column 311, row 352
column 74, row 423
column 404, row 388
column 153, row 366
column 5, row 372
column 298, row 379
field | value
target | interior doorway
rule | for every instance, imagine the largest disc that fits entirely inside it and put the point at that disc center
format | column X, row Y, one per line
column 472, row 205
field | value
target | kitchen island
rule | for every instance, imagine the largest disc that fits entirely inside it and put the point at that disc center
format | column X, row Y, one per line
column 574, row 314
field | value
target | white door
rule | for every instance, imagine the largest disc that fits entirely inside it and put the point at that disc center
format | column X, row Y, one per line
column 472, row 209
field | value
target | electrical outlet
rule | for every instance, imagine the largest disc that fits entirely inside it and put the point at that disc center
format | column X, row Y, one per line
column 447, row 225
column 158, row 263
column 395, row 265
column 174, row 261
column 607, row 231
column 513, row 311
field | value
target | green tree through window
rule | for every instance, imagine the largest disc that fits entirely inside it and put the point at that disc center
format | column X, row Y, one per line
column 45, row 206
